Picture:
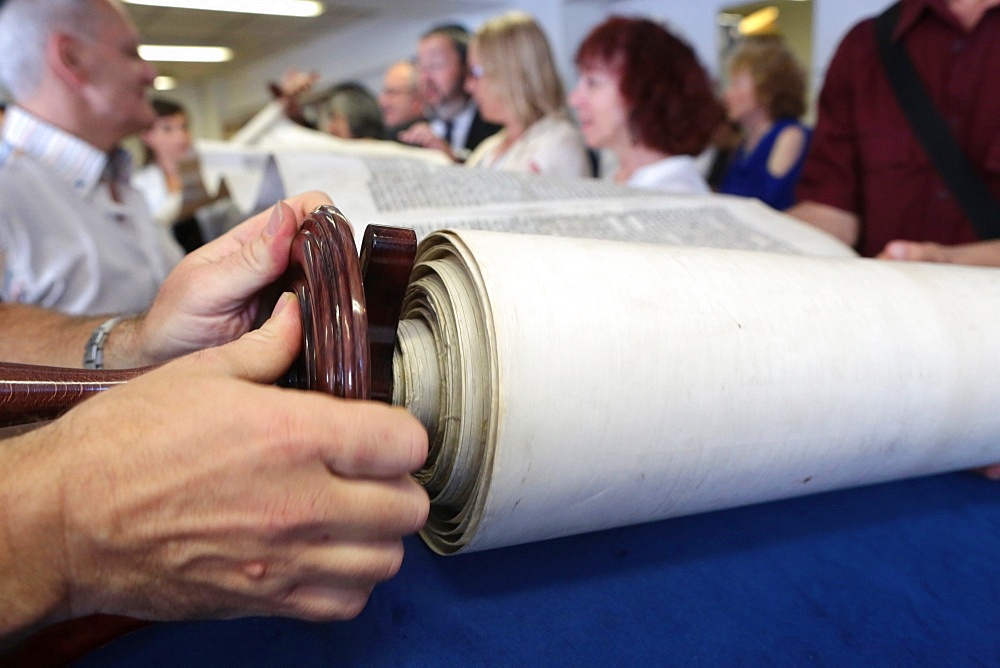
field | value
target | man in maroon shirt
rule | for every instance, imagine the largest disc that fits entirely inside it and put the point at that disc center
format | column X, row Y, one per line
column 867, row 179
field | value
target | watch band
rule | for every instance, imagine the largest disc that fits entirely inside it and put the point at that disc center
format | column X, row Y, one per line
column 93, row 354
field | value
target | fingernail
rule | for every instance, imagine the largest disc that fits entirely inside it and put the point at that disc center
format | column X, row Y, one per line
column 282, row 303
column 899, row 251
column 277, row 217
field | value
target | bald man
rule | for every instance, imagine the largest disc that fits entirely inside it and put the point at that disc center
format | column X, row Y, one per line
column 401, row 99
column 74, row 235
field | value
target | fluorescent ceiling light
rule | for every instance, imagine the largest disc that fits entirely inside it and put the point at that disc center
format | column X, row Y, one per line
column 303, row 8
column 185, row 54
column 164, row 82
column 764, row 21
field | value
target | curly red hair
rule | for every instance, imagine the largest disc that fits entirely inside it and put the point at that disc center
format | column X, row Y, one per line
column 672, row 106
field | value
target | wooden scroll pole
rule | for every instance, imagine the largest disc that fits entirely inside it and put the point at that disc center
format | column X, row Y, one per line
column 350, row 310
column 30, row 393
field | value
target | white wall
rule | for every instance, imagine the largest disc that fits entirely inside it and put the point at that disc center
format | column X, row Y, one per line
column 361, row 54
column 831, row 20
column 364, row 51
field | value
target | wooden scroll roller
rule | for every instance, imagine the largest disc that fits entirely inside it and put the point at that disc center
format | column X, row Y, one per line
column 350, row 309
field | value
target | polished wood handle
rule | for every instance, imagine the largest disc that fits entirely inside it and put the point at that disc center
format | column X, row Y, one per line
column 30, row 393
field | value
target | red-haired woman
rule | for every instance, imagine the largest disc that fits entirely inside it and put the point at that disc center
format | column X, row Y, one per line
column 643, row 96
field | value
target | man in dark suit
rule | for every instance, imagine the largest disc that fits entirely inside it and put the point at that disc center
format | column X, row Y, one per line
column 454, row 124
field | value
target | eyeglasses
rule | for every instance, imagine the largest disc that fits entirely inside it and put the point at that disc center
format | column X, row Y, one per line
column 436, row 65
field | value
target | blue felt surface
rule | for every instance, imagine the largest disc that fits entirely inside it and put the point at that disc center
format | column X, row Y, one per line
column 901, row 574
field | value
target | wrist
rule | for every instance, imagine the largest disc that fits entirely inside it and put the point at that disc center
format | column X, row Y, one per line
column 979, row 253
column 122, row 346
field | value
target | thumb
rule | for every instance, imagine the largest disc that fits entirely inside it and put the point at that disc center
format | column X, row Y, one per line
column 260, row 259
column 263, row 355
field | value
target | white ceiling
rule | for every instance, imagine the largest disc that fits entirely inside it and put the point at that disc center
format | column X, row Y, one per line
column 250, row 36
column 255, row 36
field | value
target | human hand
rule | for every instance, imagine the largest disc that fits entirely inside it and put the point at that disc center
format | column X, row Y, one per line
column 295, row 82
column 420, row 134
column 982, row 253
column 211, row 297
column 193, row 491
column 916, row 251
column 991, row 472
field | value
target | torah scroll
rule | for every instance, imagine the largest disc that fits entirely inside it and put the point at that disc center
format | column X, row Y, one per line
column 571, row 385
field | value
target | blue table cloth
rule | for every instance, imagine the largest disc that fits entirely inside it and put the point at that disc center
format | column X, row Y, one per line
column 898, row 574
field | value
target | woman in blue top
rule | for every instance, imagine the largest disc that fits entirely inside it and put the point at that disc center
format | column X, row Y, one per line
column 766, row 97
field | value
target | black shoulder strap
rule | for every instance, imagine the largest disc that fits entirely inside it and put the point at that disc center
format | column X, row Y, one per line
column 978, row 204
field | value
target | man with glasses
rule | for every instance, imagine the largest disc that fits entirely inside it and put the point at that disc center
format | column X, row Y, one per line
column 454, row 124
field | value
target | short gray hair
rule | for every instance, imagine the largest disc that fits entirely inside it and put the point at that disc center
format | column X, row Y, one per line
column 25, row 26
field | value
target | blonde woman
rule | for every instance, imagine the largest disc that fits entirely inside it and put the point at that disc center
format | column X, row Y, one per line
column 513, row 78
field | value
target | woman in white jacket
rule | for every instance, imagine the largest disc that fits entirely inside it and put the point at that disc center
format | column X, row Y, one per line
column 513, row 78
column 170, row 167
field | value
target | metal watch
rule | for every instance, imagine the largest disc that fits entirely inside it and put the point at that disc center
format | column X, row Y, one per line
column 93, row 354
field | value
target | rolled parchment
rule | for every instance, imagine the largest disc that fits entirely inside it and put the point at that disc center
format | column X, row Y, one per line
column 570, row 385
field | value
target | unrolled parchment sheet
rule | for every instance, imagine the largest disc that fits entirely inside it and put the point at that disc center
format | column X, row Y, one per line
column 571, row 385
column 386, row 183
